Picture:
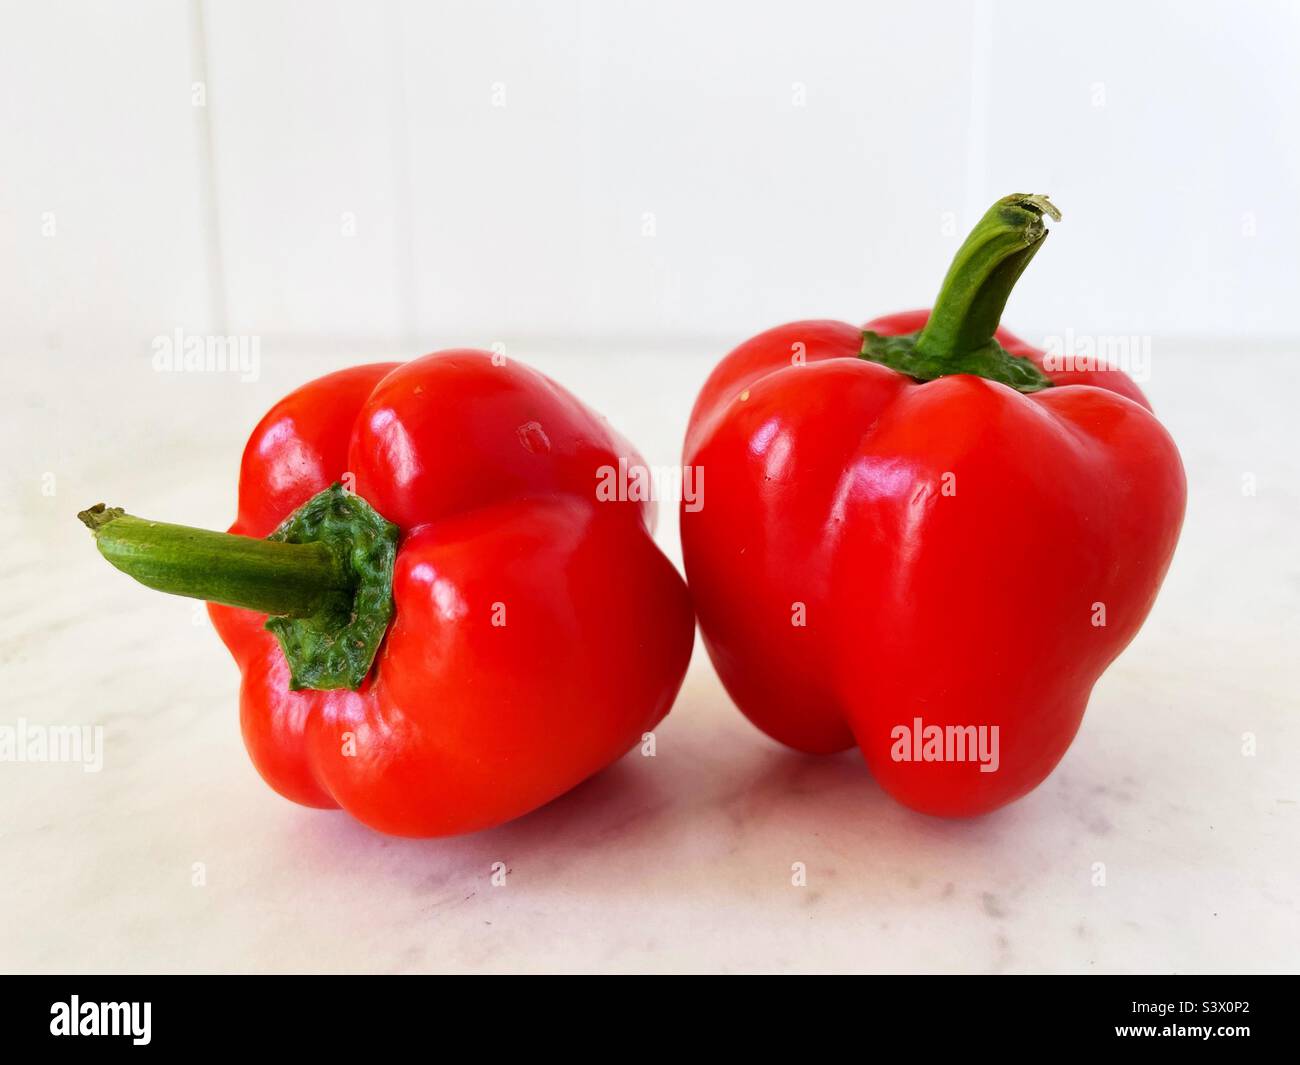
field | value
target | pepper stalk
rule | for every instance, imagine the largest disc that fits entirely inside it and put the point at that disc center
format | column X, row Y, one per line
column 325, row 576
column 959, row 336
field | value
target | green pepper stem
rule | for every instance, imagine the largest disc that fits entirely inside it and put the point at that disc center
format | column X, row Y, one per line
column 983, row 273
column 283, row 579
column 325, row 575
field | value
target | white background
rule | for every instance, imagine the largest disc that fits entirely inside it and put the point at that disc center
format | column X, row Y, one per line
column 663, row 180
column 497, row 166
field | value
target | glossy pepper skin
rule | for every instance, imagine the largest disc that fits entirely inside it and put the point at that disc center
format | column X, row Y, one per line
column 957, row 551
column 536, row 633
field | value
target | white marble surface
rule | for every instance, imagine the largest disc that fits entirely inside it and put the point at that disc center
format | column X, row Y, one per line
column 680, row 862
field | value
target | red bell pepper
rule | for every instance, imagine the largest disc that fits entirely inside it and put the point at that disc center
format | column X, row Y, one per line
column 923, row 538
column 496, row 637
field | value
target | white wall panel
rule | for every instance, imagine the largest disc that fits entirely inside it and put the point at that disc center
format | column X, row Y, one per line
column 101, row 218
column 306, row 110
column 674, row 167
column 1170, row 135
column 501, row 178
column 428, row 173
